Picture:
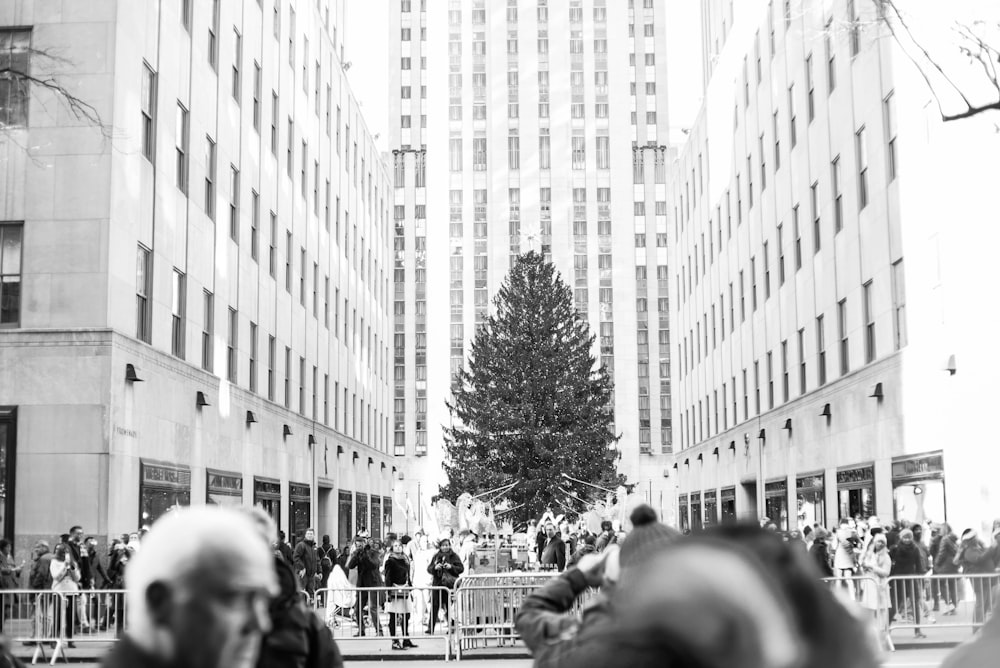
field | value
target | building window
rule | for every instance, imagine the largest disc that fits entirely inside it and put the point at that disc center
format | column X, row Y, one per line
column 781, row 256
column 831, row 65
column 838, row 196
column 455, row 155
column 143, row 292
column 148, row 96
column 237, row 58
column 178, row 308
column 889, row 118
column 862, row 153
column 232, row 323
column 186, row 14
column 213, row 37
column 845, row 361
column 271, row 352
column 603, row 152
column 898, row 304
column 234, row 203
column 767, row 273
column 272, row 246
column 798, row 237
column 253, row 357
column 513, row 152
column 820, row 352
column 579, row 152
column 802, row 361
column 784, row 371
column 10, row 273
column 810, row 89
column 182, row 148
column 256, row 95
column 207, row 331
column 288, row 378
column 792, row 135
column 869, row 316
column 210, row 178
column 814, row 207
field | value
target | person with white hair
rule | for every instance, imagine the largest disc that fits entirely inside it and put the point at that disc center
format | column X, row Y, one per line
column 197, row 593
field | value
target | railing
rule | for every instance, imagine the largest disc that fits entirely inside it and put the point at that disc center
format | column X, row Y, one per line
column 61, row 619
column 943, row 605
column 372, row 613
column 480, row 612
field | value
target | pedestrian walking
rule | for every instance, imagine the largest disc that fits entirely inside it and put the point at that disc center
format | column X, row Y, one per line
column 820, row 552
column 305, row 564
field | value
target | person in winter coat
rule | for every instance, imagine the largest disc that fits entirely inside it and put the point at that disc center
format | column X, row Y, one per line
column 445, row 567
column 587, row 546
column 305, row 564
column 820, row 552
column 982, row 650
column 366, row 558
column 944, row 564
column 876, row 564
column 10, row 578
column 974, row 559
column 65, row 579
column 607, row 536
column 397, row 575
column 554, row 549
column 907, row 559
column 327, row 555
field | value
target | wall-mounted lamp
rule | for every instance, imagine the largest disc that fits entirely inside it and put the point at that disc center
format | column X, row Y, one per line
column 399, row 476
column 666, row 473
column 687, row 462
column 716, row 452
column 826, row 412
column 877, row 392
column 383, row 466
column 762, row 435
column 370, row 462
column 788, row 424
column 131, row 376
column 950, row 366
column 340, row 450
column 354, row 457
column 675, row 466
column 200, row 400
column 310, row 439
column 732, row 446
column 251, row 418
column 286, row 430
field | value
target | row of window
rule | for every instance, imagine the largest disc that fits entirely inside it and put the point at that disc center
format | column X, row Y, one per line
column 697, row 424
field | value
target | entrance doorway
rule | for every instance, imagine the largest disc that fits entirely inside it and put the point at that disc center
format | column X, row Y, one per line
column 323, row 512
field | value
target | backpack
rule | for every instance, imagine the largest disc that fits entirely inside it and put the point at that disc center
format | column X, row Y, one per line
column 323, row 651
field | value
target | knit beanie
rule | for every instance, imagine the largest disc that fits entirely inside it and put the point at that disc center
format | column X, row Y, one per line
column 648, row 536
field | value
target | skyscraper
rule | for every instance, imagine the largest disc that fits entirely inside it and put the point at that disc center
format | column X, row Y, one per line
column 518, row 126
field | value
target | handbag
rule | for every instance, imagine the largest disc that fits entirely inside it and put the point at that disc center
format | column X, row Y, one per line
column 448, row 579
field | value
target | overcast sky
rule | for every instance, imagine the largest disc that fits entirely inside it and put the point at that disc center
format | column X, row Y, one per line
column 366, row 46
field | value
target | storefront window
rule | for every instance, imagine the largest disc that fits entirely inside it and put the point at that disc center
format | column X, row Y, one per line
column 711, row 508
column 856, row 492
column 810, row 501
column 8, row 447
column 918, row 489
column 267, row 496
column 387, row 515
column 360, row 512
column 727, row 505
column 376, row 521
column 162, row 488
column 696, row 511
column 776, row 503
column 682, row 512
column 345, row 507
column 299, row 510
column 224, row 489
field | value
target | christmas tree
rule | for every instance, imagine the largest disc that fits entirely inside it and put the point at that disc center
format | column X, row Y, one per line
column 532, row 404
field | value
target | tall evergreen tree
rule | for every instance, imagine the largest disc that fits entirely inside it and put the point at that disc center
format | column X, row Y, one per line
column 532, row 404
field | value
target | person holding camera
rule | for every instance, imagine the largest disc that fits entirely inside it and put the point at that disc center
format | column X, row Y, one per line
column 445, row 567
column 65, row 579
column 366, row 559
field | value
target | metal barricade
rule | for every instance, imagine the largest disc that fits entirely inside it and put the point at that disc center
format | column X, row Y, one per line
column 61, row 619
column 513, row 578
column 361, row 616
column 956, row 601
column 486, row 613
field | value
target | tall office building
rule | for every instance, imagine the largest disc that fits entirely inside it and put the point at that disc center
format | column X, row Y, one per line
column 196, row 305
column 832, row 357
column 529, row 125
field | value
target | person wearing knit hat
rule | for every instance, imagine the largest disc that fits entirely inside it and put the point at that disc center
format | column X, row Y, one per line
column 647, row 537
column 974, row 559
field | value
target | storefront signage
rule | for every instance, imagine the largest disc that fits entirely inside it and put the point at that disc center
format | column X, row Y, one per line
column 856, row 476
column 776, row 488
column 223, row 483
column 809, row 482
column 298, row 492
column 266, row 489
column 122, row 431
column 166, row 476
column 931, row 466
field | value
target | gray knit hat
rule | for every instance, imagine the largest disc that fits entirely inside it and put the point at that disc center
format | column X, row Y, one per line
column 648, row 536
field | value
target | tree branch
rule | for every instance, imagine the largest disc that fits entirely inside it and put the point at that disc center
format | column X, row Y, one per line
column 972, row 111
